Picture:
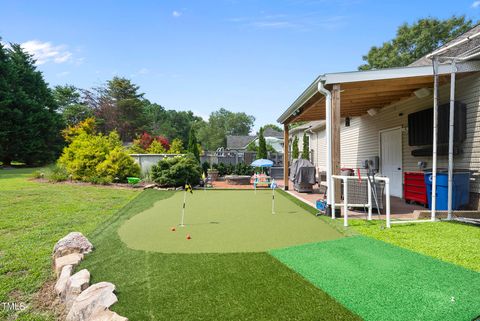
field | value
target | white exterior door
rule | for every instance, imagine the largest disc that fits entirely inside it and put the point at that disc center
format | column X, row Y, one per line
column 391, row 158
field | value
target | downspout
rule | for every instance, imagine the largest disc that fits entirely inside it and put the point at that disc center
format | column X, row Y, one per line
column 435, row 134
column 451, row 134
column 328, row 128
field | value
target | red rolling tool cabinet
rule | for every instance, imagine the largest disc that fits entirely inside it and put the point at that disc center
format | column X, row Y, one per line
column 414, row 188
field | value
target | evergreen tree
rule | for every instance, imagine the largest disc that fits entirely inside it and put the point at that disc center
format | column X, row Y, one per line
column 295, row 151
column 262, row 145
column 193, row 144
column 30, row 125
column 305, row 150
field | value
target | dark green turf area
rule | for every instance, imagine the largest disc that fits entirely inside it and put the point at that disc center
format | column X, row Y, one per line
column 379, row 281
column 222, row 286
column 224, row 221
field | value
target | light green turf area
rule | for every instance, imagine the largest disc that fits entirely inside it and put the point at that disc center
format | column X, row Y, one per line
column 448, row 241
column 224, row 222
column 379, row 281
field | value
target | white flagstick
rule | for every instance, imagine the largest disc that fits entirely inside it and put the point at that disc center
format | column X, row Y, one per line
column 273, row 185
column 273, row 200
column 183, row 209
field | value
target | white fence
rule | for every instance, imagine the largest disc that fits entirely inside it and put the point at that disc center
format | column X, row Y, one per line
column 146, row 161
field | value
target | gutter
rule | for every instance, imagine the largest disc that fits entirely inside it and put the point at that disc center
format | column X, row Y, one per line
column 443, row 49
column 328, row 116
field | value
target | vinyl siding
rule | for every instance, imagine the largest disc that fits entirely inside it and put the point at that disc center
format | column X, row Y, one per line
column 361, row 139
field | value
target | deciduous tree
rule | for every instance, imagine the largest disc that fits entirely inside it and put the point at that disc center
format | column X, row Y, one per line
column 415, row 41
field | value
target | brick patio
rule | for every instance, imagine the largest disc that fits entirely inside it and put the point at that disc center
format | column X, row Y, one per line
column 399, row 209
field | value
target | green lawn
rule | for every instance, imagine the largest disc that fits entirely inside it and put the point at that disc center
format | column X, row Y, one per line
column 221, row 284
column 448, row 241
column 380, row 281
column 33, row 216
column 202, row 286
column 224, row 221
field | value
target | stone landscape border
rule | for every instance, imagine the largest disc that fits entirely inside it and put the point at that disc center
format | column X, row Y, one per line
column 82, row 301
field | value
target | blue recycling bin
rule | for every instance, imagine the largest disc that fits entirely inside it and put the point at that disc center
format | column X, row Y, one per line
column 460, row 190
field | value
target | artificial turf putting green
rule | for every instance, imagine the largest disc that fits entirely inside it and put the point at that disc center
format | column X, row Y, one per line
column 379, row 281
column 202, row 286
column 224, row 222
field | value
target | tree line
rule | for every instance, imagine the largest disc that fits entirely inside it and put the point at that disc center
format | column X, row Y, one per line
column 33, row 115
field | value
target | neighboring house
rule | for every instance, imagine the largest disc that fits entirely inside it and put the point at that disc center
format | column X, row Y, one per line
column 370, row 115
column 240, row 143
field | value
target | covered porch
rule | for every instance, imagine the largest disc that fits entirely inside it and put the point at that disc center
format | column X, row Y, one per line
column 337, row 98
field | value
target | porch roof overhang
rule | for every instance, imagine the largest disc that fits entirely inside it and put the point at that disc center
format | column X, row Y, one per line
column 364, row 90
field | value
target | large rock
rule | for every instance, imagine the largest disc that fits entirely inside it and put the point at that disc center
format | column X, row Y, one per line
column 107, row 315
column 70, row 259
column 75, row 285
column 94, row 300
column 74, row 242
column 61, row 285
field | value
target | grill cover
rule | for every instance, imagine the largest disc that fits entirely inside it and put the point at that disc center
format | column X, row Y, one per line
column 302, row 171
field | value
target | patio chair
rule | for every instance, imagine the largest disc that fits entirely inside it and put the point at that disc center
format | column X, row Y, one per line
column 261, row 180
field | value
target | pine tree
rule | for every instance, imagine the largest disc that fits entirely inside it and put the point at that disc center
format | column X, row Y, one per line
column 262, row 146
column 305, row 150
column 295, row 151
column 193, row 144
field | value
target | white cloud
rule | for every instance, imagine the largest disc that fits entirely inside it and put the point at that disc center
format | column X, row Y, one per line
column 475, row 4
column 176, row 14
column 45, row 52
column 305, row 22
column 140, row 72
column 63, row 74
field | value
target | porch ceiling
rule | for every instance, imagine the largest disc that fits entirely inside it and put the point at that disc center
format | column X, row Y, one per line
column 358, row 97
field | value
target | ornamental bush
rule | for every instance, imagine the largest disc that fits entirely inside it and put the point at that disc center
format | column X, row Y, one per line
column 118, row 166
column 97, row 158
column 176, row 171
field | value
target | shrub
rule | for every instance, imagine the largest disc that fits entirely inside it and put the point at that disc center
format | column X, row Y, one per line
column 156, row 148
column 176, row 171
column 118, row 166
column 222, row 169
column 205, row 167
column 243, row 169
column 145, row 140
column 99, row 180
column 176, row 147
column 97, row 158
column 38, row 174
column 57, row 173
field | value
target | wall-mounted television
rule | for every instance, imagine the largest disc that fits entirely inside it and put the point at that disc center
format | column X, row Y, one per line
column 420, row 125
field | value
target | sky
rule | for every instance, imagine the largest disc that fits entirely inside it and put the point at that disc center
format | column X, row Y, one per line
column 247, row 56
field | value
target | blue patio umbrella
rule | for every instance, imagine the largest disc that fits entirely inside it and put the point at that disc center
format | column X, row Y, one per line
column 262, row 163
